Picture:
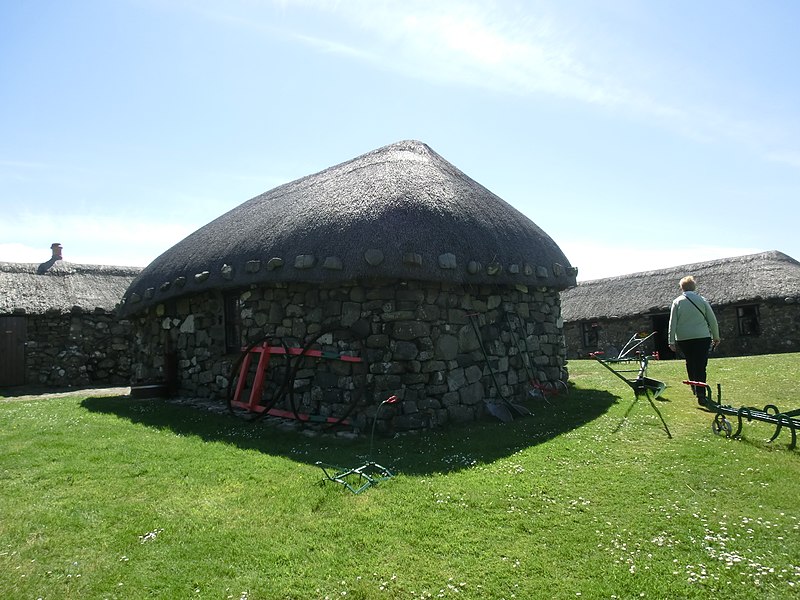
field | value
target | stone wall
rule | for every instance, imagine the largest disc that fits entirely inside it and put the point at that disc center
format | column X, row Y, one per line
column 77, row 349
column 612, row 335
column 779, row 322
column 417, row 341
column 779, row 330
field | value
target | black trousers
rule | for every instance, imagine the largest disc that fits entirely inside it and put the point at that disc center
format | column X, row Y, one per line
column 696, row 353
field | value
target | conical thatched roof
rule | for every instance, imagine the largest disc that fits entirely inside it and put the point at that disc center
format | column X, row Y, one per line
column 401, row 211
column 755, row 277
column 59, row 286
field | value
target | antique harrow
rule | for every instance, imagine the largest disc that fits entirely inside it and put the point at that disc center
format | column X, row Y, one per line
column 769, row 414
column 357, row 479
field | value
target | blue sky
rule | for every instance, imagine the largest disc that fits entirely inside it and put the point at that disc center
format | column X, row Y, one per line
column 637, row 134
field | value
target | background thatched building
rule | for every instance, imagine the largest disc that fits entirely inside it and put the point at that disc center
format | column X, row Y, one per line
column 756, row 299
column 395, row 256
column 58, row 326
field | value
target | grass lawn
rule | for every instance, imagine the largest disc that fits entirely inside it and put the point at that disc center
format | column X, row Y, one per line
column 109, row 497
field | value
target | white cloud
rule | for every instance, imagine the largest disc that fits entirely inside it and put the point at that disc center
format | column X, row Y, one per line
column 16, row 252
column 597, row 261
column 512, row 51
column 102, row 240
column 23, row 164
column 789, row 158
column 511, row 48
column 19, row 170
column 543, row 49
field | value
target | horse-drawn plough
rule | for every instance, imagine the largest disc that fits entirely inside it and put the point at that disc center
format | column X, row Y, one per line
column 721, row 425
column 633, row 359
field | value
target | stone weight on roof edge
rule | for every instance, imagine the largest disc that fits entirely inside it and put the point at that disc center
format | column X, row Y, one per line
column 399, row 212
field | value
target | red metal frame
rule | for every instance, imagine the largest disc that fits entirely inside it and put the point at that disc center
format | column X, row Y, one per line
column 265, row 351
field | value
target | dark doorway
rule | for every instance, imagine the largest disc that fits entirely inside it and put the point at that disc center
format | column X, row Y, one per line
column 660, row 339
column 13, row 335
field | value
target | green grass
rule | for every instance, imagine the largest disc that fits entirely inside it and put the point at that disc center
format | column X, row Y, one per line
column 587, row 498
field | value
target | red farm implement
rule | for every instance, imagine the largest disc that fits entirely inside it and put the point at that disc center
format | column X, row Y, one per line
column 247, row 389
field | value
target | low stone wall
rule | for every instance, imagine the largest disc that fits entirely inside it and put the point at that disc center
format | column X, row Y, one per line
column 416, row 341
column 77, row 349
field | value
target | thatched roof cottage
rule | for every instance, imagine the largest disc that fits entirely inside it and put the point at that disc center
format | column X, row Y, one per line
column 756, row 299
column 58, row 325
column 395, row 256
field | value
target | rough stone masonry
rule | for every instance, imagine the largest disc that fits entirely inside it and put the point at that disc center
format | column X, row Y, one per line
column 442, row 348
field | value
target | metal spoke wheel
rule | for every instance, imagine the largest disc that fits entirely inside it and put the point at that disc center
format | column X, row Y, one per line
column 721, row 425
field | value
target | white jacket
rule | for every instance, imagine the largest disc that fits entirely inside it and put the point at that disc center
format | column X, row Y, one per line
column 687, row 322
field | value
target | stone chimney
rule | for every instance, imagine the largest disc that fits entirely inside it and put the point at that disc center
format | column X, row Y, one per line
column 56, row 248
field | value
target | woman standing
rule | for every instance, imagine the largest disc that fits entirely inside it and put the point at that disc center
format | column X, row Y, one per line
column 693, row 327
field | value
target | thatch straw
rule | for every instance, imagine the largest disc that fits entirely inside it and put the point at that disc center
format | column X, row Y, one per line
column 62, row 287
column 765, row 276
column 400, row 212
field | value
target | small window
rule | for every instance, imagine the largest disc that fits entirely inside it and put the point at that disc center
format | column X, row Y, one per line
column 590, row 335
column 747, row 319
column 233, row 323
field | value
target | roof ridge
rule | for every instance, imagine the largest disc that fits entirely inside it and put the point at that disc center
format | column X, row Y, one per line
column 775, row 254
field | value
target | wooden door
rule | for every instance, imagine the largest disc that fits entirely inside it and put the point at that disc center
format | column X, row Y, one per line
column 13, row 335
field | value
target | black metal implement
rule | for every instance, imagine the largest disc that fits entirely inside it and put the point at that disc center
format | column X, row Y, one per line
column 356, row 479
column 638, row 361
column 632, row 359
column 769, row 414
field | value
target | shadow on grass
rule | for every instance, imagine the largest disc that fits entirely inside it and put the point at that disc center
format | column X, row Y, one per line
column 415, row 453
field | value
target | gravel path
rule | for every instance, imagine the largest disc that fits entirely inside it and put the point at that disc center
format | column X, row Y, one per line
column 34, row 393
